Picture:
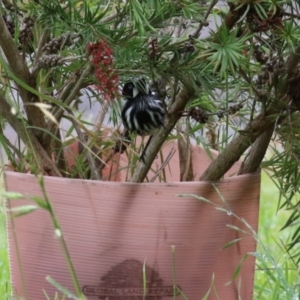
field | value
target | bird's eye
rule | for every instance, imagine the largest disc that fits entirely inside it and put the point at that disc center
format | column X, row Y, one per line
column 130, row 86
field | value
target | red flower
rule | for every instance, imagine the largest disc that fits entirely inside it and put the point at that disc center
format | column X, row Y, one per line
column 105, row 74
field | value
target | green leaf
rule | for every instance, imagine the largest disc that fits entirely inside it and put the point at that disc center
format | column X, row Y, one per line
column 62, row 289
column 231, row 243
column 27, row 87
column 23, row 210
column 144, row 280
column 40, row 202
column 238, row 268
column 11, row 195
column 235, row 228
column 195, row 196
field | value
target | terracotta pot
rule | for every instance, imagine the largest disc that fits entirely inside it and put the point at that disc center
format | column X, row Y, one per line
column 117, row 168
column 114, row 230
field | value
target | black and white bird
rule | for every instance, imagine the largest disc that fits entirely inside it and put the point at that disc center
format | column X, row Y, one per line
column 143, row 113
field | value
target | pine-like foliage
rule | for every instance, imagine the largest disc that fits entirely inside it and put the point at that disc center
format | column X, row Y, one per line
column 227, row 74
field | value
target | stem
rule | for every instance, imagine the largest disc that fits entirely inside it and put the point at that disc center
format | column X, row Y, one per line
column 78, row 85
column 39, row 52
column 174, row 272
column 61, row 240
column 198, row 30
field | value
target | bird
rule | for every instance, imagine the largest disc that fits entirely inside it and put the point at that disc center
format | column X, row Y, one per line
column 143, row 113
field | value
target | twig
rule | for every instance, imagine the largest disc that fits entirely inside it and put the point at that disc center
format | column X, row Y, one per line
column 165, row 162
column 185, row 154
column 110, row 17
column 248, row 80
column 13, row 147
column 59, row 110
column 101, row 117
column 178, row 28
column 39, row 52
column 10, row 145
column 296, row 16
column 68, row 95
column 94, row 170
column 111, row 155
column 198, row 30
column 66, row 88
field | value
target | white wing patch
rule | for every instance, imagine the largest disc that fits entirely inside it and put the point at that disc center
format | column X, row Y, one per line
column 136, row 123
column 127, row 116
column 135, row 92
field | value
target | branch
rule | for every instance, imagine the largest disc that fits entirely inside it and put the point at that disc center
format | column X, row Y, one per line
column 11, row 146
column 68, row 94
column 163, row 165
column 74, row 91
column 236, row 148
column 101, row 116
column 185, row 154
column 18, row 66
column 294, row 16
column 39, row 52
column 110, row 18
column 204, row 22
column 234, row 14
column 292, row 62
column 158, row 139
column 30, row 141
column 253, row 130
column 20, row 70
column 257, row 152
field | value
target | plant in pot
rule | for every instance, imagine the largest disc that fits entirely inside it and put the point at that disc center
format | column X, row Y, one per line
column 221, row 86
